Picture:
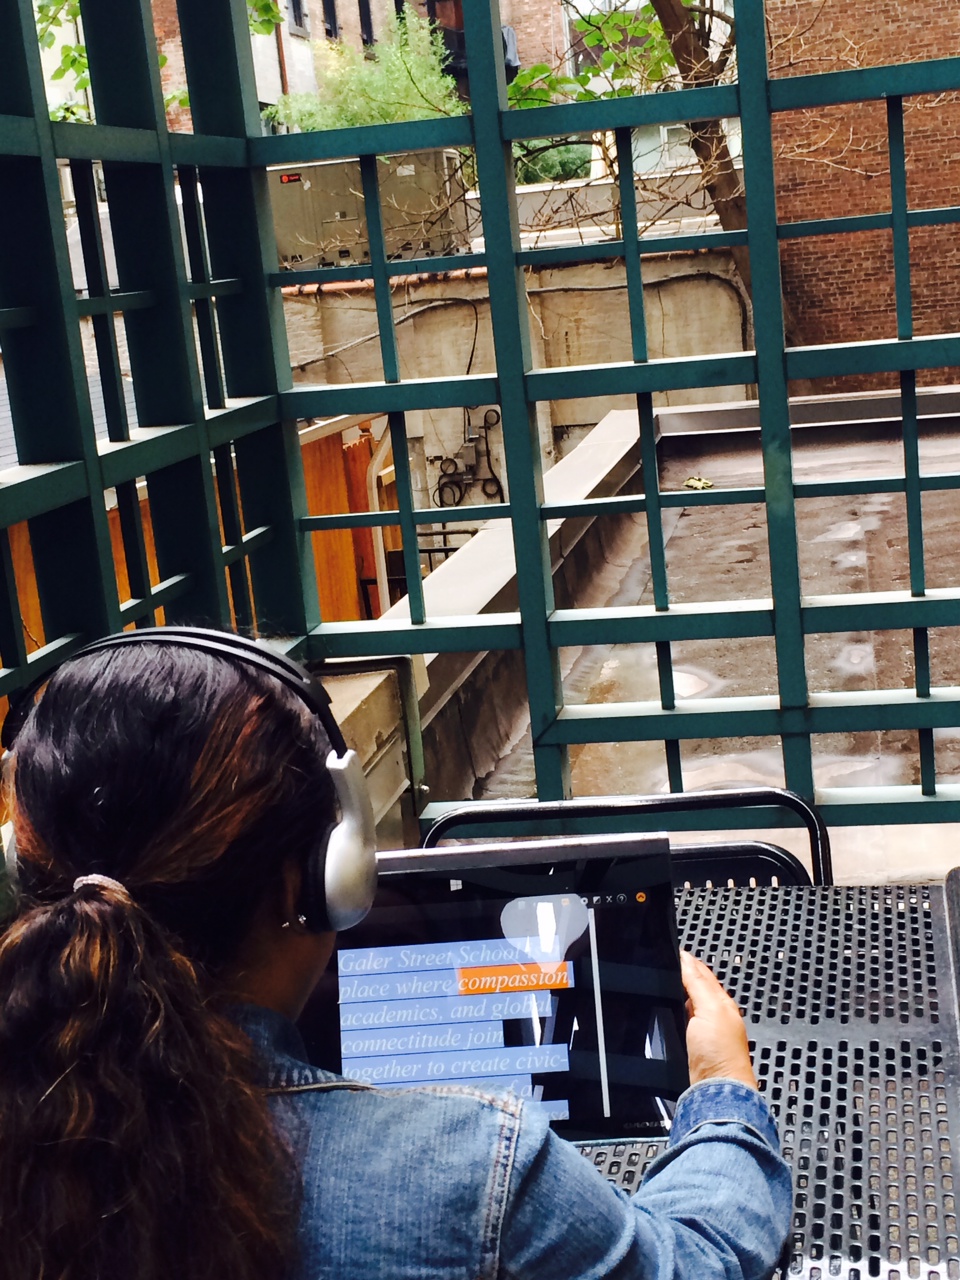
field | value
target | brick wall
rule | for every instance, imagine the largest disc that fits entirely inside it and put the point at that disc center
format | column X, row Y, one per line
column 173, row 76
column 834, row 162
column 541, row 28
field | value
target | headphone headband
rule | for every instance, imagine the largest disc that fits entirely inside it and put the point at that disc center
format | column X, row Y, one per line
column 222, row 644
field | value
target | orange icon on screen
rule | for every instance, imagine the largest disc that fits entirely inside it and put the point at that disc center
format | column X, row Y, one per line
column 641, row 897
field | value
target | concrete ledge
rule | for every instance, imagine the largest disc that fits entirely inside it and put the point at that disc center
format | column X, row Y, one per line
column 480, row 577
column 861, row 408
column 475, row 700
column 369, row 711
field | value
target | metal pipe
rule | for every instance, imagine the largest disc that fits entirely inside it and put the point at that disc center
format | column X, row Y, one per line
column 373, row 498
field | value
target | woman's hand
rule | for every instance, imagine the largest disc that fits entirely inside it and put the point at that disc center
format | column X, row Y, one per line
column 716, row 1037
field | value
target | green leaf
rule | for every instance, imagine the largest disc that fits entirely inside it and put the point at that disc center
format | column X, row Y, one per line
column 263, row 16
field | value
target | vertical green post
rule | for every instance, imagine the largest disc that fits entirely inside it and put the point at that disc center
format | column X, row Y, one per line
column 759, row 182
column 111, row 381
column 125, row 81
column 240, row 241
column 391, row 373
column 511, row 337
column 648, row 435
column 910, row 421
column 43, row 361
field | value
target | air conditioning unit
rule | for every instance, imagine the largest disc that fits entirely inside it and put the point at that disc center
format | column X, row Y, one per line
column 320, row 220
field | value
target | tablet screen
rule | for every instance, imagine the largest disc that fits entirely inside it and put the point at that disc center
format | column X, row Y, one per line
column 560, row 983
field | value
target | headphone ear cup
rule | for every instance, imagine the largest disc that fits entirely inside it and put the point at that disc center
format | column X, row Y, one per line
column 10, row 867
column 340, row 878
column 312, row 903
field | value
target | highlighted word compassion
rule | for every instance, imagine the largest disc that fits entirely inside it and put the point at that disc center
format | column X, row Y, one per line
column 493, row 979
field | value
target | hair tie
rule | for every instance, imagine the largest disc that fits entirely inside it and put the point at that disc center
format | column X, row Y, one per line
column 105, row 882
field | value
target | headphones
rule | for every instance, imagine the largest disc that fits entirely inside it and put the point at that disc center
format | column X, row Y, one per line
column 339, row 878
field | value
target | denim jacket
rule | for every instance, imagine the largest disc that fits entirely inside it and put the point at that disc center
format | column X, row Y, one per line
column 449, row 1182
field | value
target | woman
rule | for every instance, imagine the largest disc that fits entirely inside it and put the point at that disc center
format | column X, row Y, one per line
column 157, row 1118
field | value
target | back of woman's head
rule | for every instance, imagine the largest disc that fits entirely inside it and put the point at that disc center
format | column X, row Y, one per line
column 133, row 1137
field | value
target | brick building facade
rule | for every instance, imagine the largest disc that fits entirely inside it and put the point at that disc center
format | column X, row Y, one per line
column 173, row 76
column 834, row 162
column 542, row 29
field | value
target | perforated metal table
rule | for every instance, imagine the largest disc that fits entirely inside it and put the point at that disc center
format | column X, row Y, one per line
column 850, row 1000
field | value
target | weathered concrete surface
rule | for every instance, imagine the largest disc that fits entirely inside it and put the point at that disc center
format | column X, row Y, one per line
column 847, row 546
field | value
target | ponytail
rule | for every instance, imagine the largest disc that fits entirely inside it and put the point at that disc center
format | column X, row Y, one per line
column 134, row 1140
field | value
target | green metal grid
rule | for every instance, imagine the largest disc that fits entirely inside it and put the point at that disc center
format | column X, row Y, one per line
column 216, row 440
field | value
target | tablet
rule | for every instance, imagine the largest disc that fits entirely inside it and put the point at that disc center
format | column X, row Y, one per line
column 549, row 969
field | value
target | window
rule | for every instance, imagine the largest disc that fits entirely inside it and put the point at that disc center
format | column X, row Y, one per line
column 331, row 27
column 298, row 19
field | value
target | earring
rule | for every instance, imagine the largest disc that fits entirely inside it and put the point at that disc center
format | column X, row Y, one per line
column 300, row 921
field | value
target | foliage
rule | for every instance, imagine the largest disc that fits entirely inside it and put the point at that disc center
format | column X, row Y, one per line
column 404, row 79
column 627, row 53
column 52, row 15
column 546, row 160
column 263, row 16
column 176, row 98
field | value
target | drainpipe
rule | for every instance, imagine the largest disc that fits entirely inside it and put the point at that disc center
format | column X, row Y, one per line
column 373, row 498
column 281, row 60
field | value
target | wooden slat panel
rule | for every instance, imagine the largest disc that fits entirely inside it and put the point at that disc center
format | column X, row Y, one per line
column 356, row 460
column 26, row 580
column 120, row 560
column 326, row 485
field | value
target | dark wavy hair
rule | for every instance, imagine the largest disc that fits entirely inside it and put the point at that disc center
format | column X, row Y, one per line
column 134, row 1139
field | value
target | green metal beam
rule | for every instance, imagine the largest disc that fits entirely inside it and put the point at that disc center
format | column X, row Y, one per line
column 305, row 401
column 677, row 107
column 437, row 635
column 792, row 93
column 364, row 140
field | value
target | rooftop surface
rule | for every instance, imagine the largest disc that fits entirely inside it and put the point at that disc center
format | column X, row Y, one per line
column 848, row 545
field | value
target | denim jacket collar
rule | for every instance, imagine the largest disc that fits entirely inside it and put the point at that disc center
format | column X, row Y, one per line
column 280, row 1049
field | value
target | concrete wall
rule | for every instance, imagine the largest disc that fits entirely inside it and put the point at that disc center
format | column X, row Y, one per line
column 694, row 305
